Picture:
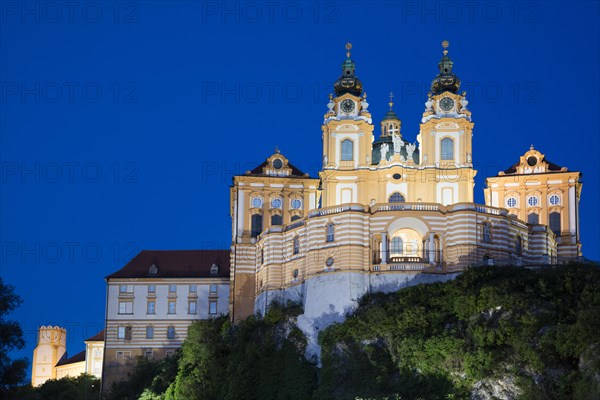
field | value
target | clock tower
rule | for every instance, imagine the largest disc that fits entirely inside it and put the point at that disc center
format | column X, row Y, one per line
column 347, row 136
column 445, row 137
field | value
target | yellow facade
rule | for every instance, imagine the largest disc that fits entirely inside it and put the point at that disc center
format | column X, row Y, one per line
column 50, row 361
column 387, row 208
column 51, row 346
column 538, row 191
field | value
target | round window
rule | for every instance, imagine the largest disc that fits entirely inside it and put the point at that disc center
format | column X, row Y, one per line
column 257, row 202
column 532, row 201
column 531, row 161
column 511, row 202
column 396, row 176
column 554, row 200
column 329, row 262
column 296, row 204
column 277, row 163
column 276, row 203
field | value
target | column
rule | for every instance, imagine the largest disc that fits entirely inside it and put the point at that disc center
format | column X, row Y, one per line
column 384, row 248
column 431, row 248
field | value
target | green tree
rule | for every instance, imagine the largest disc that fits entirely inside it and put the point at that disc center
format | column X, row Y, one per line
column 12, row 372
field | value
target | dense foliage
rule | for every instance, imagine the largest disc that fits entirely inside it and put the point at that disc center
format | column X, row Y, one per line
column 12, row 372
column 148, row 378
column 540, row 329
column 257, row 359
column 528, row 334
column 83, row 387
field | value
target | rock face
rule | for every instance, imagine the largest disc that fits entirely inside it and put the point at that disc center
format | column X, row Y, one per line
column 504, row 388
column 330, row 298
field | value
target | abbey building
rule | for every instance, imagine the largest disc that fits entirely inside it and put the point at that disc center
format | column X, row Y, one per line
column 390, row 210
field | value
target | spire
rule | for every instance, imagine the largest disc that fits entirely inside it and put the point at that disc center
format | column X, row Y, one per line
column 391, row 114
column 348, row 83
column 446, row 80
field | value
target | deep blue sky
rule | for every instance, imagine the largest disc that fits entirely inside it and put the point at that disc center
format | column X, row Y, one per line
column 146, row 162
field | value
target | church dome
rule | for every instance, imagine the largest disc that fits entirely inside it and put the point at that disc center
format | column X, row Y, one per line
column 446, row 80
column 348, row 82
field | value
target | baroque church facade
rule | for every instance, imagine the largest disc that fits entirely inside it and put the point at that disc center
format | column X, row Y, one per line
column 386, row 212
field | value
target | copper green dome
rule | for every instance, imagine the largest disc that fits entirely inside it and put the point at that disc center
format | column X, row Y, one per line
column 348, row 82
column 446, row 80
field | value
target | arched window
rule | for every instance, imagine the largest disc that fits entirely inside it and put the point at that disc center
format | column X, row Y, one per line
column 554, row 222
column 519, row 246
column 347, row 150
column 276, row 219
column 533, row 218
column 447, row 149
column 296, row 245
column 330, row 233
column 397, row 245
column 396, row 198
column 256, row 228
column 487, row 236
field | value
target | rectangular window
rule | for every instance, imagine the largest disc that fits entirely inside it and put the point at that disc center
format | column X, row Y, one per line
column 124, row 333
column 125, row 307
column 554, row 222
column 192, row 307
column 172, row 288
column 170, row 353
column 123, row 289
column 447, row 145
column 171, row 332
column 151, row 288
column 193, row 289
column 347, row 150
column 148, row 354
column 212, row 307
column 151, row 309
column 149, row 332
column 172, row 307
column 119, row 354
column 213, row 288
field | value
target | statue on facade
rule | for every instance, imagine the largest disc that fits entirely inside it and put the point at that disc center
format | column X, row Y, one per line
column 410, row 149
column 397, row 141
column 383, row 150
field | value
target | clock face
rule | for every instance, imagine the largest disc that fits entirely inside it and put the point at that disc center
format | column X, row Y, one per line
column 347, row 106
column 446, row 104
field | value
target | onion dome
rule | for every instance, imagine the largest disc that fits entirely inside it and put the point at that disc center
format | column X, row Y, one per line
column 348, row 83
column 446, row 80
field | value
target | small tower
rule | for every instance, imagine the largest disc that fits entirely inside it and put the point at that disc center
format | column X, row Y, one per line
column 51, row 346
column 390, row 138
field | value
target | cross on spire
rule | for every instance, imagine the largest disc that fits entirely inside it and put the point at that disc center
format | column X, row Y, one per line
column 348, row 47
column 391, row 103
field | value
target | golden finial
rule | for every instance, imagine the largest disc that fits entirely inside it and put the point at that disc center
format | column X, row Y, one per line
column 277, row 149
column 391, row 103
column 348, row 47
column 445, row 45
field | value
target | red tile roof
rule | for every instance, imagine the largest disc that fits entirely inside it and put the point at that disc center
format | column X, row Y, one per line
column 98, row 337
column 175, row 264
column 76, row 358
